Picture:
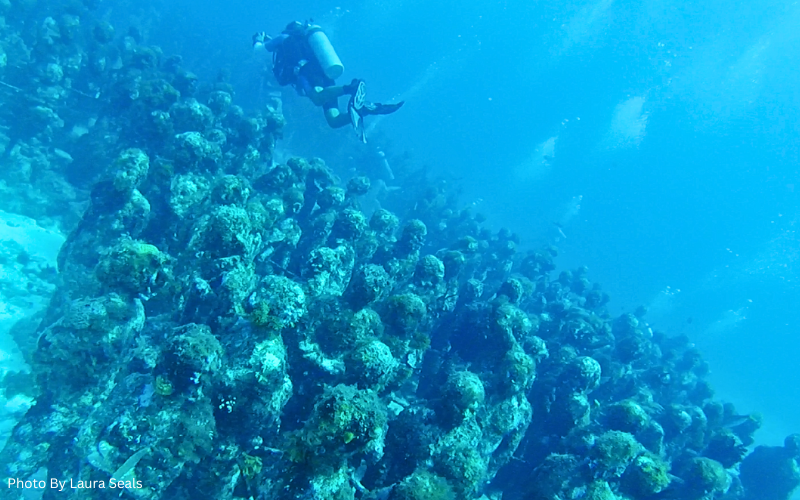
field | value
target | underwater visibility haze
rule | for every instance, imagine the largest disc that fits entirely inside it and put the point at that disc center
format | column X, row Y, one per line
column 564, row 269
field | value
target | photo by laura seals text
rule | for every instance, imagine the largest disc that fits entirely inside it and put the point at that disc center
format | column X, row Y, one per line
column 55, row 484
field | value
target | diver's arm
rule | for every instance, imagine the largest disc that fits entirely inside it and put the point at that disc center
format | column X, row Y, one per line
column 262, row 41
column 274, row 43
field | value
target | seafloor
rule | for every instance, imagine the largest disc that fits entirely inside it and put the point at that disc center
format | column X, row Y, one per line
column 221, row 325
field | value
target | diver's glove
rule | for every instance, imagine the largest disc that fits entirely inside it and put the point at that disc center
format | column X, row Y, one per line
column 259, row 38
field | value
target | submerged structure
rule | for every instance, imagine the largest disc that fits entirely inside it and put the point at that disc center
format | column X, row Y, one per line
column 225, row 326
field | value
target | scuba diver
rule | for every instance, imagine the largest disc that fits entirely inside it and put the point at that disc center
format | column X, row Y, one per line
column 304, row 58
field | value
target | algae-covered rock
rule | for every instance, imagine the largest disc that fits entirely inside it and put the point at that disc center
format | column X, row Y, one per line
column 371, row 365
column 331, row 197
column 465, row 391
column 219, row 102
column 613, row 451
column 193, row 349
column 462, row 466
column 191, row 116
column 405, row 312
column 350, row 224
column 187, row 191
column 358, row 186
column 226, row 232
column 647, row 475
column 131, row 265
column 413, row 236
column 369, row 284
column 329, row 270
column 383, row 222
column 626, row 416
column 347, row 423
column 130, row 169
column 280, row 299
column 423, row 485
column 193, row 151
column 705, row 476
column 231, row 190
column 772, row 472
column 430, row 271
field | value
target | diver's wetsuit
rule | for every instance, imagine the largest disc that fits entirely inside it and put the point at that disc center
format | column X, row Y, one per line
column 306, row 73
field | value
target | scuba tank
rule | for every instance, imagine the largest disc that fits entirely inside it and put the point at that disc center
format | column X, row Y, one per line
column 324, row 52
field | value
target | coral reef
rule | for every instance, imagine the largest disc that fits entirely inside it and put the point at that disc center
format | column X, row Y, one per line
column 229, row 326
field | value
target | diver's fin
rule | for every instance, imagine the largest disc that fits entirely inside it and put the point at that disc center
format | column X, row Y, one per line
column 355, row 118
column 359, row 95
column 355, row 107
column 381, row 109
column 357, row 121
column 360, row 131
column 352, row 87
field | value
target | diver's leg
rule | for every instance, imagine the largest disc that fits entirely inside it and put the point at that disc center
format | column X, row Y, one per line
column 335, row 118
column 321, row 95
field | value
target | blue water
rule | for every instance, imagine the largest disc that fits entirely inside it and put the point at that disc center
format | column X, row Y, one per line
column 661, row 136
